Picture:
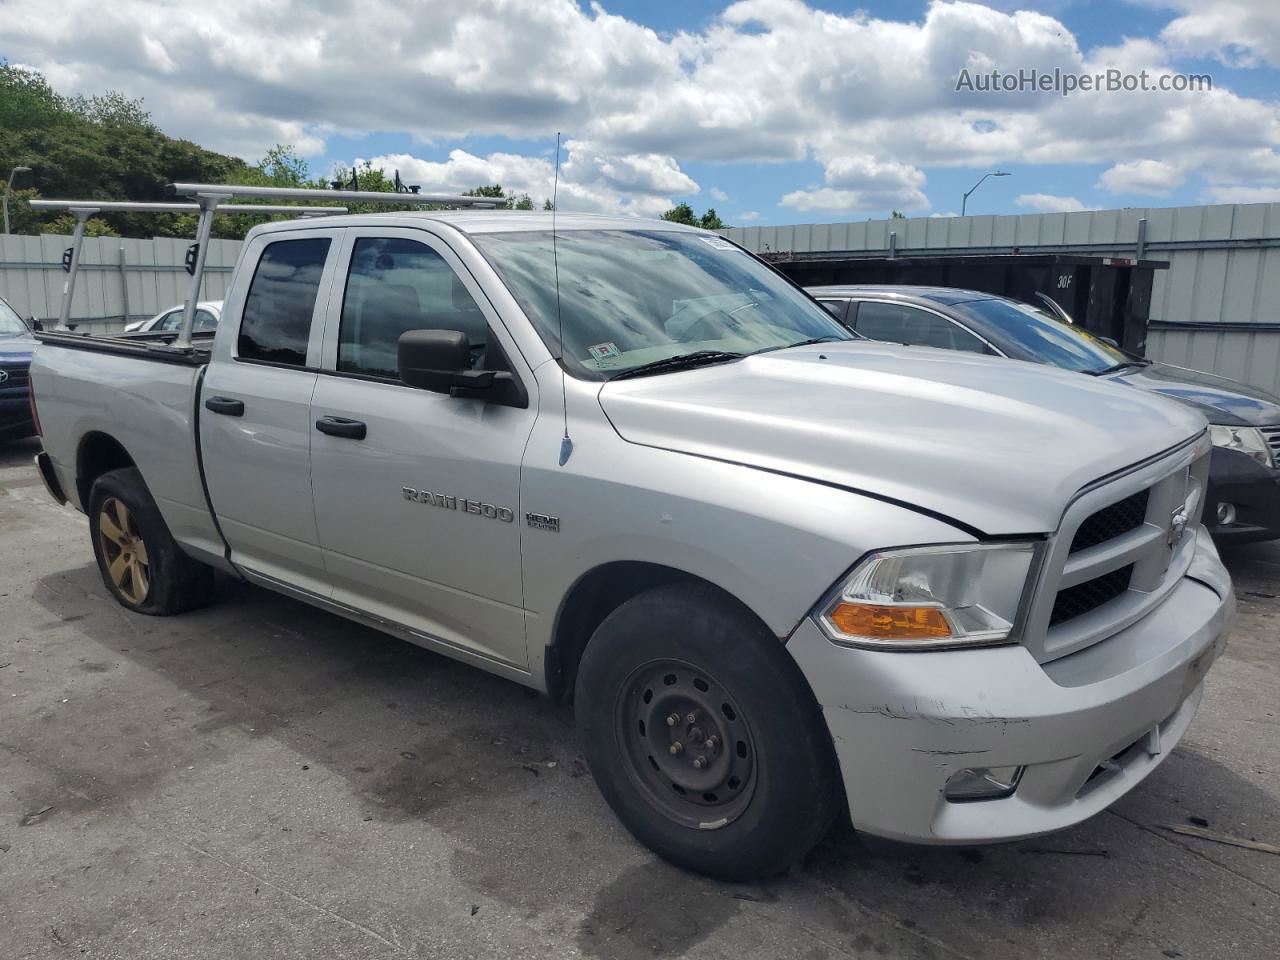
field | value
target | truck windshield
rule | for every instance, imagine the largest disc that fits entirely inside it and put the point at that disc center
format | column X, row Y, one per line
column 1029, row 333
column 631, row 298
column 11, row 324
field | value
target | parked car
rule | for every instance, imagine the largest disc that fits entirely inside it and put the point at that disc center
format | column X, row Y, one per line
column 777, row 569
column 169, row 321
column 16, row 347
column 1243, row 502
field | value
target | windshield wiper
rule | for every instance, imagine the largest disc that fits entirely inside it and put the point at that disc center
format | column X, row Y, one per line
column 685, row 361
column 804, row 343
column 1117, row 367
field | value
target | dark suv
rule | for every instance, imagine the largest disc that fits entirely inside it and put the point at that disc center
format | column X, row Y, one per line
column 16, row 346
column 1244, row 477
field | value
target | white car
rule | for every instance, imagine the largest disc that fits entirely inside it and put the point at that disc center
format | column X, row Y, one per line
column 169, row 321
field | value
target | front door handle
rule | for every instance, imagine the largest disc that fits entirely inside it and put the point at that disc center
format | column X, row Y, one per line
column 225, row 406
column 342, row 427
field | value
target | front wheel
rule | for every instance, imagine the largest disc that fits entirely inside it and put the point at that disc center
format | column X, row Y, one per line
column 141, row 564
column 703, row 735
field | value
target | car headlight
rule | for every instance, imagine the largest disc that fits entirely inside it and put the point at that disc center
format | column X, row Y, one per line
column 1246, row 440
column 929, row 597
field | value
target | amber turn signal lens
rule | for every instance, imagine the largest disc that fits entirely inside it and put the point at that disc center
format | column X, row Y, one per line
column 889, row 623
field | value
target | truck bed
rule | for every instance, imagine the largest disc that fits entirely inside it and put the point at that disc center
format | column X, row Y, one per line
column 146, row 347
column 99, row 395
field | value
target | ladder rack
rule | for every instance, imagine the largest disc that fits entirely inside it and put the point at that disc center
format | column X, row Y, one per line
column 210, row 195
column 82, row 210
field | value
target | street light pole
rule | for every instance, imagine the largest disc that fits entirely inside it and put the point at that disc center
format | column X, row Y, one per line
column 994, row 173
column 8, row 188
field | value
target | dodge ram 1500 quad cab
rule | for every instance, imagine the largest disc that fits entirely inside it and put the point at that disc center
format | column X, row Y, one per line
column 778, row 570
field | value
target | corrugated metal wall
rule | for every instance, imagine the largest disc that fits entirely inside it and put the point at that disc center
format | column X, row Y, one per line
column 117, row 277
column 1224, row 267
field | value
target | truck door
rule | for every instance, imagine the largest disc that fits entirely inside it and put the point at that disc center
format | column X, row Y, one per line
column 255, row 427
column 417, row 494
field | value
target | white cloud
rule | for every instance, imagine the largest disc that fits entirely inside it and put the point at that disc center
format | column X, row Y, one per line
column 748, row 216
column 1153, row 177
column 871, row 100
column 718, row 194
column 589, row 180
column 858, row 183
column 1264, row 194
column 1243, row 33
column 1049, row 203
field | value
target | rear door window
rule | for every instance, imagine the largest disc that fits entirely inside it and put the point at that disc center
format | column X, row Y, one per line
column 276, row 324
column 901, row 323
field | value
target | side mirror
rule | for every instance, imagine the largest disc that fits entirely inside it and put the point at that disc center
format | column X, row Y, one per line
column 440, row 360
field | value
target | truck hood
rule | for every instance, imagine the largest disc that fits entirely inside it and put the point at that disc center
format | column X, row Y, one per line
column 997, row 445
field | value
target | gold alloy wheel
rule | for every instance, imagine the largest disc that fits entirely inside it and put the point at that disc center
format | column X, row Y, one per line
column 124, row 551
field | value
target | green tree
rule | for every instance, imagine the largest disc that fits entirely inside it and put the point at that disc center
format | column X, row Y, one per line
column 98, row 147
column 897, row 215
column 66, row 225
column 711, row 220
column 682, row 213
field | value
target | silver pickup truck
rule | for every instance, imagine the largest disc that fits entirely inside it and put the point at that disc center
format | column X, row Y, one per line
column 779, row 571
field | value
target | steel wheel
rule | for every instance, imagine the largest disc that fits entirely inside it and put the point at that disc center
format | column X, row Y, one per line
column 686, row 743
column 124, row 550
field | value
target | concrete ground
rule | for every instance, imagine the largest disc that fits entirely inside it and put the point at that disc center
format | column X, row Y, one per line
column 260, row 779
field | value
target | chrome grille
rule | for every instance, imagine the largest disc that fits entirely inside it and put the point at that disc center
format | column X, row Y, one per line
column 1272, row 436
column 1116, row 553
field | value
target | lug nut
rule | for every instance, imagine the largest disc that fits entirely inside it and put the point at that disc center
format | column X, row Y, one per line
column 699, row 762
column 673, row 720
column 712, row 743
column 692, row 717
column 677, row 748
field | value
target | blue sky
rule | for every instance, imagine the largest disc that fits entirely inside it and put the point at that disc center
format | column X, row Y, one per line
column 772, row 111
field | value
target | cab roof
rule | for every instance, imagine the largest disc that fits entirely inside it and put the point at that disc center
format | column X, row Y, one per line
column 483, row 221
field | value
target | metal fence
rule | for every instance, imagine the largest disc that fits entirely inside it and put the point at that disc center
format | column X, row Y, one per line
column 119, row 279
column 1214, row 309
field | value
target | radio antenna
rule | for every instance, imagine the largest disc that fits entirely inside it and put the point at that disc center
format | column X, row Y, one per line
column 566, row 445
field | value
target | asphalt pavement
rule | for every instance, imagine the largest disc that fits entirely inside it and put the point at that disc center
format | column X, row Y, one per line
column 261, row 779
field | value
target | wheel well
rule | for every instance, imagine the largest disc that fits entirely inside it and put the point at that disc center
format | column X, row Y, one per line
column 596, row 595
column 98, row 454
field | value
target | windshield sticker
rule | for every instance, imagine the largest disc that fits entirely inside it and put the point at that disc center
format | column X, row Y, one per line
column 719, row 243
column 605, row 352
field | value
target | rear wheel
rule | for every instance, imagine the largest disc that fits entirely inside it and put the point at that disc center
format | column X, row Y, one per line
column 703, row 735
column 140, row 562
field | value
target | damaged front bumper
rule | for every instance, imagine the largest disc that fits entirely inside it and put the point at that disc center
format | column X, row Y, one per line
column 1085, row 728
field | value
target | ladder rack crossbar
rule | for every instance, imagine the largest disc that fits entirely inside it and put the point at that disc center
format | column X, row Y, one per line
column 229, row 190
column 120, row 206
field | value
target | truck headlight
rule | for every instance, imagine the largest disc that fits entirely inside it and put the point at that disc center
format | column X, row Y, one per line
column 1246, row 440
column 927, row 597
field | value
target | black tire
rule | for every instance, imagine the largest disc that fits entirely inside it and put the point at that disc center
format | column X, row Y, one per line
column 658, row 651
column 159, row 579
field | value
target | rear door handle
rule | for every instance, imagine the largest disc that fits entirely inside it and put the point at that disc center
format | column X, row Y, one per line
column 225, row 406
column 342, row 427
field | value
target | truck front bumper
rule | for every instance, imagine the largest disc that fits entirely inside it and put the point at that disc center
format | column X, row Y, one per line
column 1086, row 728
